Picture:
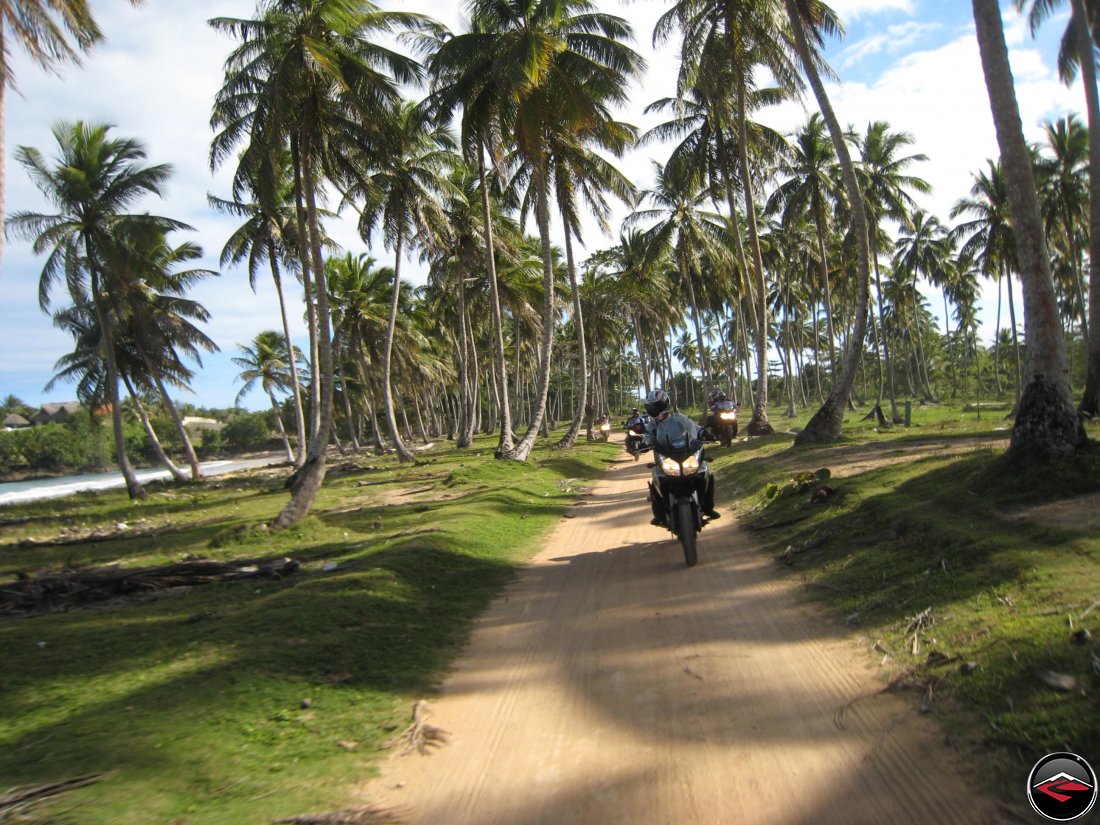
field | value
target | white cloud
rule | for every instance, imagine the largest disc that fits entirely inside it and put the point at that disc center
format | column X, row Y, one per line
column 852, row 9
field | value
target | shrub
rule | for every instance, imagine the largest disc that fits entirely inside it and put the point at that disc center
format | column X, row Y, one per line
column 248, row 431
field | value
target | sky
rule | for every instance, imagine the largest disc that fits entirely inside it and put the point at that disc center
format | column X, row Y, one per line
column 912, row 63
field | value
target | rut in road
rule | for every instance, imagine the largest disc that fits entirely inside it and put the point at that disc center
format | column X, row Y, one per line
column 611, row 684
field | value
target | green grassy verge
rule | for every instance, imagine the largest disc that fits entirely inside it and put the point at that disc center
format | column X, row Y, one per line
column 930, row 522
column 246, row 701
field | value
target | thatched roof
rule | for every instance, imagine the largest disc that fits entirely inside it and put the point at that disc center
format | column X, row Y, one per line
column 15, row 420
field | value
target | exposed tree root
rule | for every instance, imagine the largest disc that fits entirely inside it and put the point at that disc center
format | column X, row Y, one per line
column 19, row 801
column 419, row 735
column 369, row 815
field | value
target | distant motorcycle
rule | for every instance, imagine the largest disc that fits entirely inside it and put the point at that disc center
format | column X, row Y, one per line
column 680, row 477
column 723, row 422
column 603, row 432
column 635, row 434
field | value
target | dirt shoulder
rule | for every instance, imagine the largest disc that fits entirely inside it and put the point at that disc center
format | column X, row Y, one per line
column 611, row 684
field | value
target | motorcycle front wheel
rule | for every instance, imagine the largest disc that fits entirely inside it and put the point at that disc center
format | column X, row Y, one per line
column 685, row 523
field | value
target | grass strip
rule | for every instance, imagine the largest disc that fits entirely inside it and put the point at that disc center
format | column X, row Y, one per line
column 972, row 581
column 243, row 702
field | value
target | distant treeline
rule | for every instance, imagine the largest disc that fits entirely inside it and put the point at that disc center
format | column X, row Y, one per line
column 84, row 443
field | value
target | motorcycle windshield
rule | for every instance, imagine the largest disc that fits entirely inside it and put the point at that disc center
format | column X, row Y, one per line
column 677, row 436
column 725, row 405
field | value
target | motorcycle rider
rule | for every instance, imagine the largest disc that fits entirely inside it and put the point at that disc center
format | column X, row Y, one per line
column 632, row 425
column 658, row 407
column 714, row 398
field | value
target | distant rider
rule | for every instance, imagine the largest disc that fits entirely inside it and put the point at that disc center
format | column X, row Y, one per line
column 710, row 418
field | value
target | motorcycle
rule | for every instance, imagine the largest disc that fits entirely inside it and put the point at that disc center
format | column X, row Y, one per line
column 603, row 432
column 723, row 422
column 635, row 434
column 680, row 476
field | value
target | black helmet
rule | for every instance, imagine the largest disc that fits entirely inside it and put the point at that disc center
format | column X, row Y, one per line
column 714, row 396
column 657, row 402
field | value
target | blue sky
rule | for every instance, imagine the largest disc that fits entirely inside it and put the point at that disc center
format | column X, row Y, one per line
column 913, row 63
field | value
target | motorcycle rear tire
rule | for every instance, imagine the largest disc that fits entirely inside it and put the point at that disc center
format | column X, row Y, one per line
column 685, row 523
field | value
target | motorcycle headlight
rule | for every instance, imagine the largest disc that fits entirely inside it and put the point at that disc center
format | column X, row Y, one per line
column 605, row 427
column 728, row 416
column 670, row 466
column 691, row 464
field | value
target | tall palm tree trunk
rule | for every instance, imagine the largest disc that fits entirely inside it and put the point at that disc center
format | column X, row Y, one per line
column 158, row 448
column 570, row 437
column 403, row 452
column 825, row 425
column 299, row 411
column 704, row 361
column 305, row 255
column 505, row 413
column 1015, row 339
column 758, row 424
column 185, row 439
column 1046, row 425
column 1090, row 398
column 819, row 223
column 310, row 475
column 281, row 429
column 133, row 486
column 884, row 340
column 546, row 348
column 465, row 424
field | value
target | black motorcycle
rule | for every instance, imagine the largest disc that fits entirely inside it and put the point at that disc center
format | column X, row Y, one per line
column 635, row 434
column 680, row 477
column 723, row 422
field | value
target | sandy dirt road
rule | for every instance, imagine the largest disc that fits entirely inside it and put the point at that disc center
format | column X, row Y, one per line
column 611, row 684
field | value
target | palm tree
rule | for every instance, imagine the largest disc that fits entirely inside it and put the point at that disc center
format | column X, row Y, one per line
column 684, row 232
column 725, row 43
column 1046, row 425
column 990, row 241
column 84, row 366
column 884, row 184
column 267, row 235
column 160, row 322
column 580, row 175
column 1078, row 50
column 810, row 192
column 267, row 361
column 361, row 294
column 1064, row 197
column 554, row 68
column 403, row 198
column 52, row 33
column 809, row 20
column 307, row 79
column 93, row 181
column 923, row 252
